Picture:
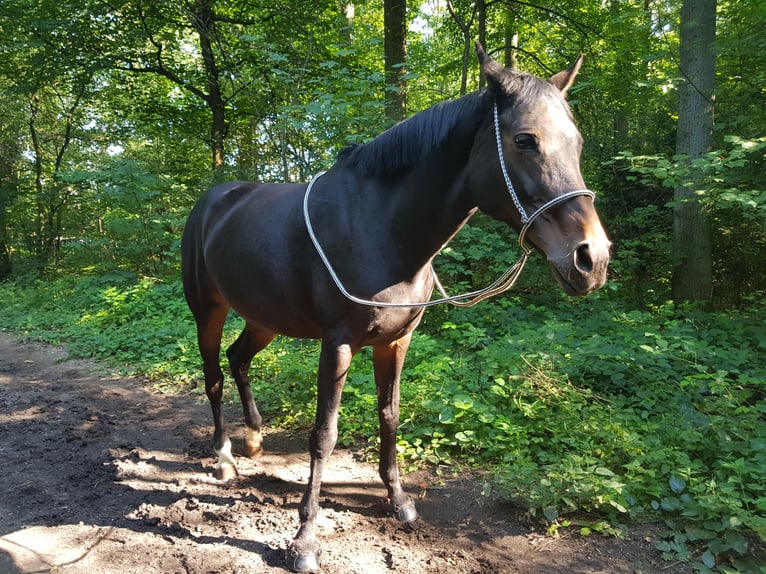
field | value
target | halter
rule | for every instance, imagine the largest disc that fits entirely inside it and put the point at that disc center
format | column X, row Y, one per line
column 502, row 284
column 526, row 220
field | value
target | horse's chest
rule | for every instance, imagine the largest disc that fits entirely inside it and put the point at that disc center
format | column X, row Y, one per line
column 387, row 325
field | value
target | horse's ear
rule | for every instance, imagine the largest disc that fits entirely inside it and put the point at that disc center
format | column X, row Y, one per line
column 493, row 72
column 564, row 80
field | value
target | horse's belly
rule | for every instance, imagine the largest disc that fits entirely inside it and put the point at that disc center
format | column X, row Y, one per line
column 269, row 300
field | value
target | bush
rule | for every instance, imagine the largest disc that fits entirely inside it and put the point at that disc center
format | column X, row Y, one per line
column 577, row 407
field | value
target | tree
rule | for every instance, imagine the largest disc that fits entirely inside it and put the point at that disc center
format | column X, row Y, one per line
column 50, row 84
column 692, row 259
column 10, row 155
column 157, row 32
column 395, row 55
column 465, row 29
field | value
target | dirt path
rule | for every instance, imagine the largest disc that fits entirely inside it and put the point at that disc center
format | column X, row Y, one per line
column 100, row 474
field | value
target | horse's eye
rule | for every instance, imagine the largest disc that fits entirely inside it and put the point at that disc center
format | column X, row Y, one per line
column 525, row 142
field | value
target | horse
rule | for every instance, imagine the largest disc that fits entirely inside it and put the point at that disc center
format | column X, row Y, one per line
column 347, row 258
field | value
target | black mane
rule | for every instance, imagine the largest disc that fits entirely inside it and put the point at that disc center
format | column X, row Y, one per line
column 403, row 145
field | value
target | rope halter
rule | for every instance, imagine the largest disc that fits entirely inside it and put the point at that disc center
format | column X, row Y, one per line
column 502, row 284
column 527, row 220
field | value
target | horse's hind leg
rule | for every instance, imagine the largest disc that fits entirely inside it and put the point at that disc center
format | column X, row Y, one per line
column 388, row 361
column 210, row 319
column 240, row 354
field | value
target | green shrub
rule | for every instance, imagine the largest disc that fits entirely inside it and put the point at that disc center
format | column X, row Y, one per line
column 580, row 408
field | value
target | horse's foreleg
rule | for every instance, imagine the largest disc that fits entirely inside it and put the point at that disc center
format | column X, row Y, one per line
column 388, row 361
column 303, row 553
column 240, row 354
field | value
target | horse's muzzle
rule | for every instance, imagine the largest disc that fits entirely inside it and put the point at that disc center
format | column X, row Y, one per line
column 584, row 269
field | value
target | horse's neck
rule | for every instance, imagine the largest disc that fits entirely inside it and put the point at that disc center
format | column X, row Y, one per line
column 421, row 207
column 432, row 202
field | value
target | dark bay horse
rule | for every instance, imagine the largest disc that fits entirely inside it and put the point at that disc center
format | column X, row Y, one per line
column 379, row 216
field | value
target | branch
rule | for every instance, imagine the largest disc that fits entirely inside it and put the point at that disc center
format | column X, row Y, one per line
column 169, row 74
column 464, row 27
column 584, row 30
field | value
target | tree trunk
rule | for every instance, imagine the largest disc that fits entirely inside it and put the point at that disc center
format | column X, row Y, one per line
column 465, row 28
column 10, row 153
column 511, row 48
column 6, row 198
column 395, row 53
column 481, row 14
column 692, row 253
column 203, row 21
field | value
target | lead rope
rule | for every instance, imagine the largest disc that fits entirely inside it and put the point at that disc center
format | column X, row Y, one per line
column 502, row 284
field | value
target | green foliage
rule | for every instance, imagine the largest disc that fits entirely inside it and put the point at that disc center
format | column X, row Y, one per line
column 580, row 408
column 733, row 190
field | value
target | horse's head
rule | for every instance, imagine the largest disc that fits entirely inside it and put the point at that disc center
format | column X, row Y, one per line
column 534, row 136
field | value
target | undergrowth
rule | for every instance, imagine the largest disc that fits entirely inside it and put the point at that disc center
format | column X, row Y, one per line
column 582, row 408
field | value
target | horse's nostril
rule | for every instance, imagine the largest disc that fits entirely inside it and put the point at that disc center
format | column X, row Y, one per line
column 582, row 258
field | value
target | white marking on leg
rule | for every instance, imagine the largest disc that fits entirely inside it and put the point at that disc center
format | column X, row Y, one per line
column 225, row 458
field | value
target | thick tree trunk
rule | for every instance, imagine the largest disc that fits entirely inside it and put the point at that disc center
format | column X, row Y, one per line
column 692, row 257
column 395, row 54
column 6, row 263
column 481, row 15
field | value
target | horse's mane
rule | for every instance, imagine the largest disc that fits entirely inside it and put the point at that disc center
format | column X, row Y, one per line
column 402, row 145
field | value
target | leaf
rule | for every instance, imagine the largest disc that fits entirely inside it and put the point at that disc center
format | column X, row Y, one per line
column 677, row 484
column 550, row 514
column 486, row 418
column 446, row 415
column 464, row 436
column 462, row 402
column 618, row 506
column 734, row 522
column 708, row 559
column 736, row 542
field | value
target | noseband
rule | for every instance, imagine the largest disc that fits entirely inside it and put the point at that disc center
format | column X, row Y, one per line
column 502, row 284
column 526, row 220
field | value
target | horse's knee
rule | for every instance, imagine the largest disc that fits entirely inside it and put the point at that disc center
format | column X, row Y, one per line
column 214, row 385
column 322, row 442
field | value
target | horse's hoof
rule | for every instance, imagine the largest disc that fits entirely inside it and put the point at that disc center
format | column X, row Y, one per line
column 225, row 471
column 402, row 512
column 302, row 561
column 253, row 443
column 253, row 451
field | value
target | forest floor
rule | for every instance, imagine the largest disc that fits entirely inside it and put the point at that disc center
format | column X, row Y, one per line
column 102, row 474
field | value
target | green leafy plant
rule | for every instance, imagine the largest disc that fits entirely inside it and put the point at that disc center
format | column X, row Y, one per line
column 588, row 414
